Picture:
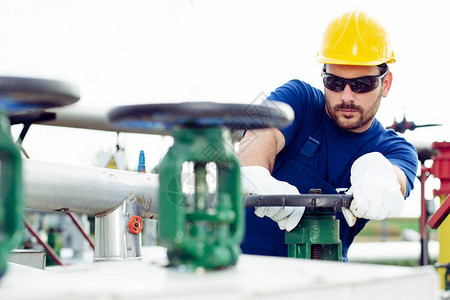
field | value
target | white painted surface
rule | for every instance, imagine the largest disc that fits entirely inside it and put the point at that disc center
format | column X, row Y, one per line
column 254, row 277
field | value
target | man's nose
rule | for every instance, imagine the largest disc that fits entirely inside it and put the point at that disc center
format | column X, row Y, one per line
column 347, row 94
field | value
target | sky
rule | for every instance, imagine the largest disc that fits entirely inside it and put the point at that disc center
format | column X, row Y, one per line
column 153, row 51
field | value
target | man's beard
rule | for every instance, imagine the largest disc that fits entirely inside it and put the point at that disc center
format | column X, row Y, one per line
column 348, row 124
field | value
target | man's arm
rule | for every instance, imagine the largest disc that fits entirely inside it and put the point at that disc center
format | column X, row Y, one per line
column 257, row 152
column 260, row 147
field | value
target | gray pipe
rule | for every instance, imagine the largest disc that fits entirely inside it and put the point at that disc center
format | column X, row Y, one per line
column 87, row 117
column 90, row 190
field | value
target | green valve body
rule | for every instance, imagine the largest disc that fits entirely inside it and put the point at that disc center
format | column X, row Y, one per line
column 11, row 224
column 206, row 229
column 316, row 237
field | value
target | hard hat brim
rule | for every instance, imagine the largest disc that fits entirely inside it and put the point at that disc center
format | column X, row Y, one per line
column 352, row 61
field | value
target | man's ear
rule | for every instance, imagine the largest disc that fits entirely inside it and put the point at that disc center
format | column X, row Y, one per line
column 387, row 82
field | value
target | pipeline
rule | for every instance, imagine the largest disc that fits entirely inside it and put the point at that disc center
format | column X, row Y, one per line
column 89, row 190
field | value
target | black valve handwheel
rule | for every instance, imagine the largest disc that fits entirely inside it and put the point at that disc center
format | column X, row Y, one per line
column 21, row 94
column 166, row 116
column 312, row 202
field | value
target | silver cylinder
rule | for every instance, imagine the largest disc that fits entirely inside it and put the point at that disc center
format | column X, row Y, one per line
column 113, row 239
column 90, row 190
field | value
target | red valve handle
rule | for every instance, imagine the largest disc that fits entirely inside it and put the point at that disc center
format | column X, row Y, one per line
column 135, row 225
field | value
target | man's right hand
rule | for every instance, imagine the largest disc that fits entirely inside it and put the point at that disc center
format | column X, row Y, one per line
column 257, row 180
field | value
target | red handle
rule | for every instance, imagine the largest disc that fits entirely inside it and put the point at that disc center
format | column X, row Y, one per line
column 135, row 225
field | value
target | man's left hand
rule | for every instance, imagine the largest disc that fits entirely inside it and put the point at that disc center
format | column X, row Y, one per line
column 375, row 188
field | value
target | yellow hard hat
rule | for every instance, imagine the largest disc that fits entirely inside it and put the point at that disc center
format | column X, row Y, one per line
column 355, row 38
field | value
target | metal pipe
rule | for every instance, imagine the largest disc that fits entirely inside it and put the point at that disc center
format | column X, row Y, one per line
column 90, row 190
column 110, row 237
column 113, row 239
column 424, row 233
column 87, row 117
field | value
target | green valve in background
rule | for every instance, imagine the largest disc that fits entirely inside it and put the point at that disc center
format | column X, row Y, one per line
column 202, row 228
column 19, row 97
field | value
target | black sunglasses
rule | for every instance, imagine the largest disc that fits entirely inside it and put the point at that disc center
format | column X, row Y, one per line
column 358, row 85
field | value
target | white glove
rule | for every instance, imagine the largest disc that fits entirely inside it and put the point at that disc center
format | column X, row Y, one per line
column 256, row 180
column 375, row 188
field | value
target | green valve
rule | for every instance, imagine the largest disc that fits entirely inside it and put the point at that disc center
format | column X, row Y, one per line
column 204, row 228
column 205, row 232
column 19, row 99
column 317, row 235
column 11, row 226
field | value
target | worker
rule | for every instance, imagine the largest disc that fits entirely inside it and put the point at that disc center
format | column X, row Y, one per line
column 335, row 143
